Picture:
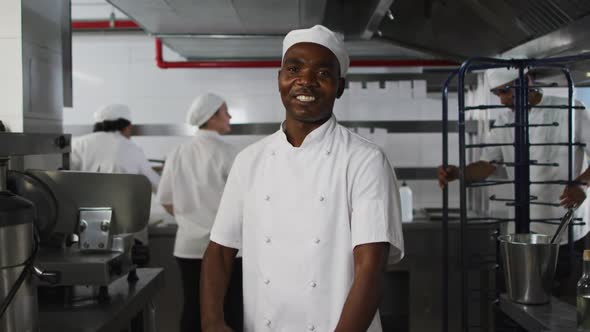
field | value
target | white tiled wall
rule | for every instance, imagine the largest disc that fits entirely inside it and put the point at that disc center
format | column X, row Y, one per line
column 11, row 85
column 120, row 68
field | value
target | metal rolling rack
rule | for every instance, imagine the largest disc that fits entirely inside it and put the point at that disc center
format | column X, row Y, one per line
column 521, row 165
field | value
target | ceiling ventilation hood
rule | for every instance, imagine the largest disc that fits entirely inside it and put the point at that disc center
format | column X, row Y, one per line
column 254, row 29
column 373, row 29
column 467, row 28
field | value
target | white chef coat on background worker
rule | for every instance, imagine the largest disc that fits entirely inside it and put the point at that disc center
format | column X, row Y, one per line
column 193, row 181
column 545, row 154
column 297, row 214
column 110, row 152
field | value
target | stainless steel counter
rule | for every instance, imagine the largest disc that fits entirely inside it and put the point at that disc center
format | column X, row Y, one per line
column 556, row 316
column 128, row 302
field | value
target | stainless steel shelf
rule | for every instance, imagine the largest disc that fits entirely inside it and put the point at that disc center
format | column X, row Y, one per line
column 22, row 144
column 416, row 173
column 267, row 128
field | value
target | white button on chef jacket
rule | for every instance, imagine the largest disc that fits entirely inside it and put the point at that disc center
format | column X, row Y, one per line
column 192, row 181
column 544, row 154
column 310, row 279
column 110, row 152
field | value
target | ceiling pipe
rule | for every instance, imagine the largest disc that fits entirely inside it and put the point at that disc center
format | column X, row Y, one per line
column 105, row 25
column 277, row 63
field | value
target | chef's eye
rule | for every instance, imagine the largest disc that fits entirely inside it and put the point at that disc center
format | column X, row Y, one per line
column 292, row 69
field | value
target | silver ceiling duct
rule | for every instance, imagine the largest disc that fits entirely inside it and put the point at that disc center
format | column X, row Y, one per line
column 465, row 28
column 253, row 29
column 383, row 29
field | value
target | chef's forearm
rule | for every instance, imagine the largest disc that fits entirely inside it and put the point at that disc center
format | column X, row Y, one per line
column 169, row 208
column 215, row 276
column 365, row 293
column 478, row 171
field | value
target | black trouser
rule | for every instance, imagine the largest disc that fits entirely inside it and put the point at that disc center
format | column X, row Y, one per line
column 568, row 271
column 190, row 270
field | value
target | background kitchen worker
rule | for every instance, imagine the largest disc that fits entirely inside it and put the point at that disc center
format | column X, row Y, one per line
column 109, row 148
column 570, row 196
column 192, row 184
column 314, row 208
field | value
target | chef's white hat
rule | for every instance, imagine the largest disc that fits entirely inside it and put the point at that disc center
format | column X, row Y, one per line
column 499, row 76
column 321, row 35
column 112, row 112
column 202, row 108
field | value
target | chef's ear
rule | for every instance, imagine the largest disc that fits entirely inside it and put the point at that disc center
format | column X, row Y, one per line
column 279, row 79
column 341, row 86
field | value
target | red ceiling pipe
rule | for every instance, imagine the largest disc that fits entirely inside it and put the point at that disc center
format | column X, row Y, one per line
column 105, row 25
column 277, row 63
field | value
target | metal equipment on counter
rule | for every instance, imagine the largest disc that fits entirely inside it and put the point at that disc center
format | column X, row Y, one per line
column 18, row 297
column 53, row 208
column 19, row 243
column 521, row 181
column 103, row 210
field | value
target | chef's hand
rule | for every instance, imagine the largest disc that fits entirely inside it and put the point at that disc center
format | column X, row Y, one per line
column 447, row 175
column 573, row 196
column 218, row 327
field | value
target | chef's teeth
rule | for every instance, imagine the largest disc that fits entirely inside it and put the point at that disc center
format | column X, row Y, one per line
column 306, row 98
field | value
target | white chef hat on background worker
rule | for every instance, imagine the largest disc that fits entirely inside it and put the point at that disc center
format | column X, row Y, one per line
column 112, row 112
column 203, row 108
column 320, row 35
column 500, row 76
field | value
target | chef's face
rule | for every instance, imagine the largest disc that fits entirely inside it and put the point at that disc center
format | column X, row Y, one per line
column 309, row 82
column 127, row 131
column 506, row 95
column 220, row 120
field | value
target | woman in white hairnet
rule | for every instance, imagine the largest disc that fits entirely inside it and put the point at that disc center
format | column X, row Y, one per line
column 109, row 148
column 192, row 184
column 569, row 196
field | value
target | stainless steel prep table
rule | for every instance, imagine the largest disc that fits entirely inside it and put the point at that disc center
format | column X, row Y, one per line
column 127, row 302
column 556, row 316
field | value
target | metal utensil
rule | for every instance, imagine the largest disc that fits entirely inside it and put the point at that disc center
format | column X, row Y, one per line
column 565, row 221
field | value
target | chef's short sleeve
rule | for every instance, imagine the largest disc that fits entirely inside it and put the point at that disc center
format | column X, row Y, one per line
column 227, row 228
column 494, row 136
column 583, row 127
column 376, row 210
column 165, row 193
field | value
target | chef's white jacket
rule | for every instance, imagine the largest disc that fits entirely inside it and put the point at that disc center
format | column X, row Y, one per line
column 297, row 214
column 545, row 154
column 192, row 181
column 110, row 152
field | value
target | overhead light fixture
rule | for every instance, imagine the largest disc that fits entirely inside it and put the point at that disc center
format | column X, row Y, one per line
column 588, row 74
